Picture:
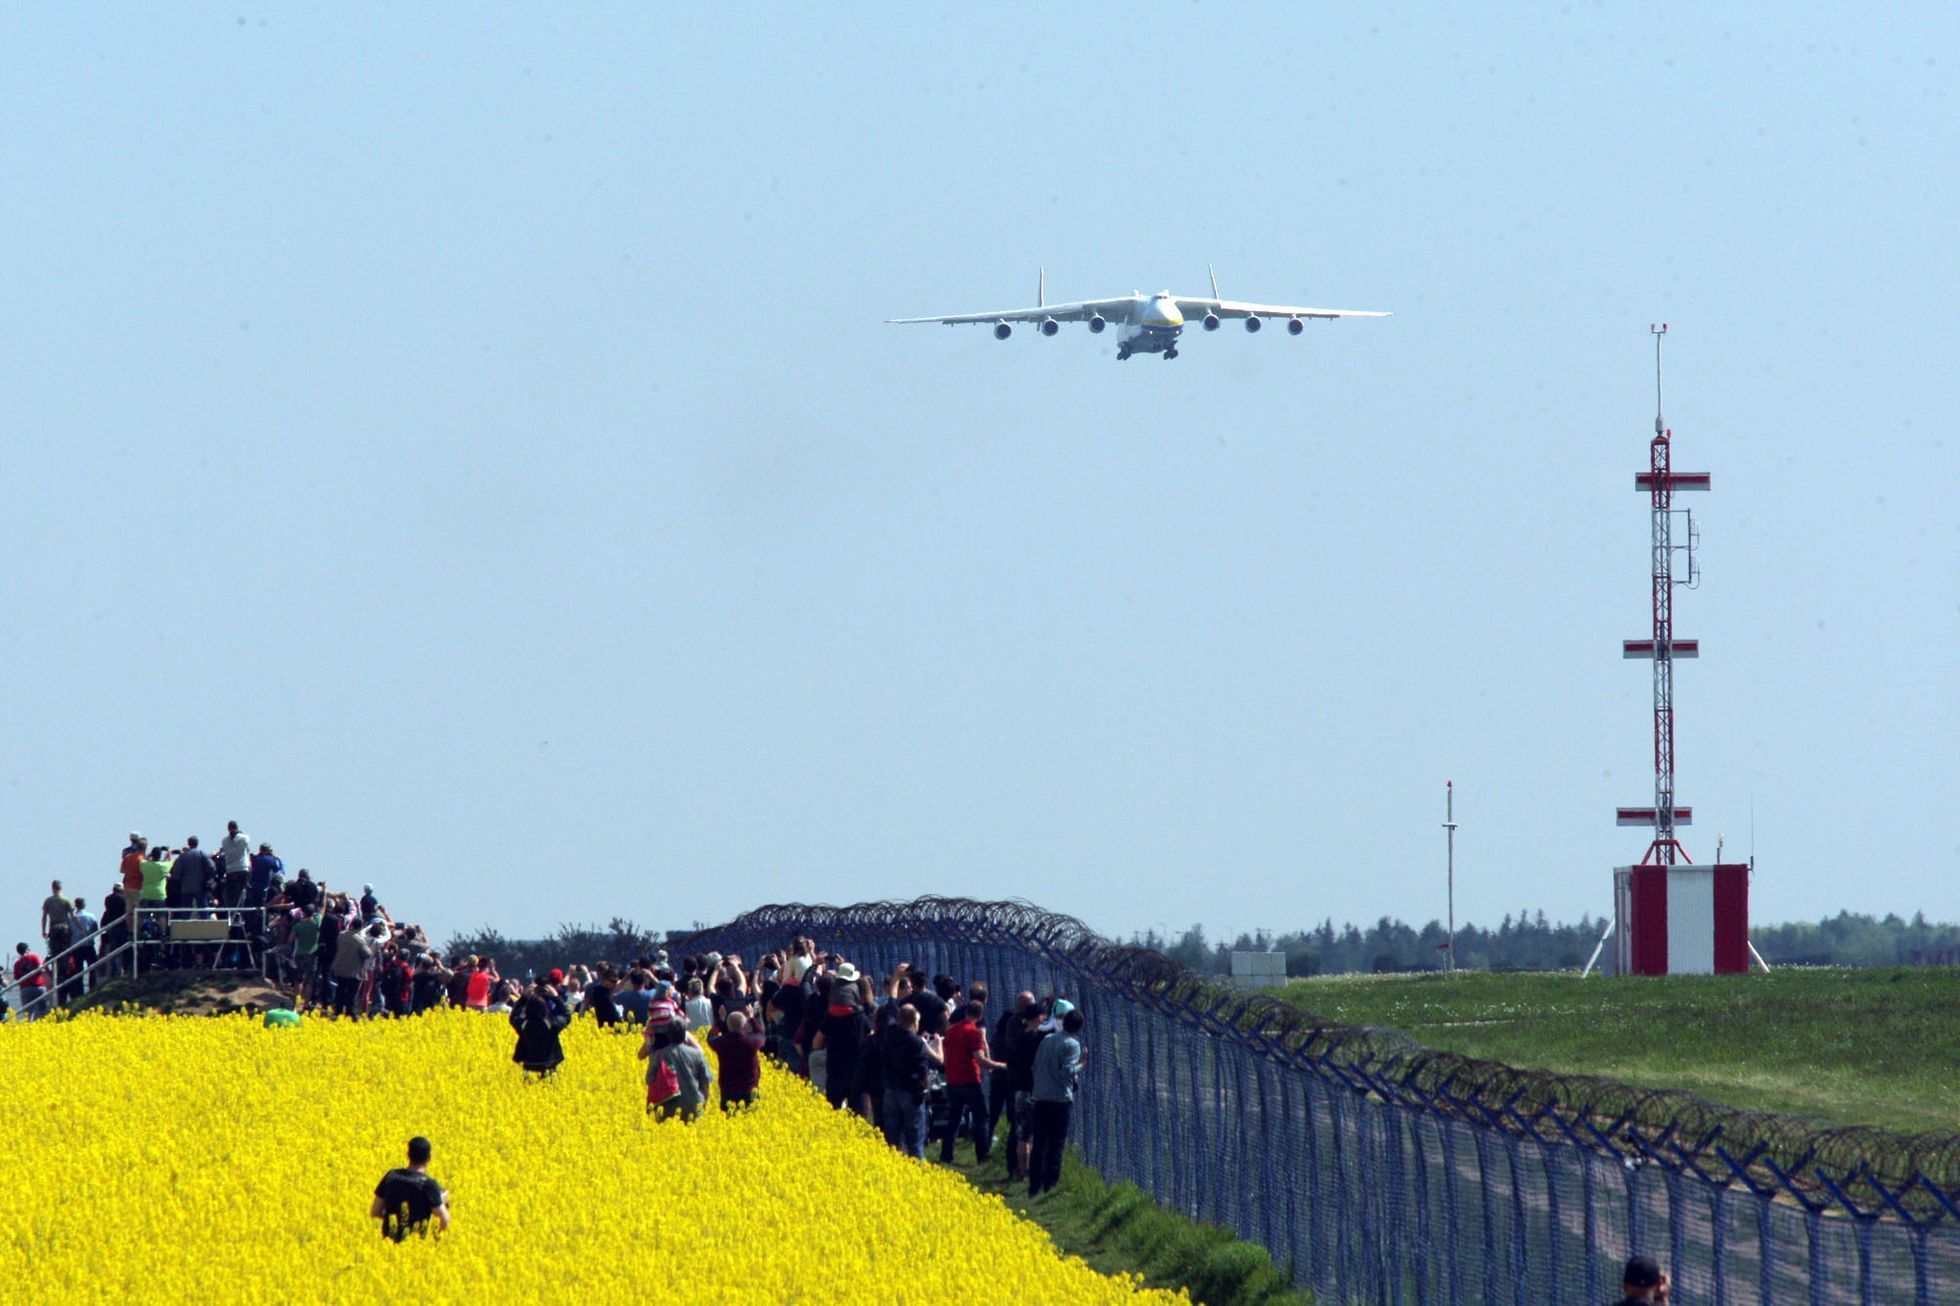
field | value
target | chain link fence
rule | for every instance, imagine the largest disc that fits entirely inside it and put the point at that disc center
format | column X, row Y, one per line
column 1380, row 1171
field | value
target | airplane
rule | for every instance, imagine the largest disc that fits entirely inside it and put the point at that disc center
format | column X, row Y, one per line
column 1151, row 324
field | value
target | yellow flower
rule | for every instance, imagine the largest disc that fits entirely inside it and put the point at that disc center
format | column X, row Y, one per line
column 153, row 1158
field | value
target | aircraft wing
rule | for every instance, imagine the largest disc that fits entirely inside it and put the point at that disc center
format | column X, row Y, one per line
column 1114, row 309
column 1232, row 308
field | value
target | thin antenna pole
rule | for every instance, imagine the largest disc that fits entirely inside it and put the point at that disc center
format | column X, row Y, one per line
column 1658, row 336
column 1449, row 826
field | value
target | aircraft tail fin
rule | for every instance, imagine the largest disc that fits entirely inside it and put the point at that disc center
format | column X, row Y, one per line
column 1041, row 290
column 1214, row 280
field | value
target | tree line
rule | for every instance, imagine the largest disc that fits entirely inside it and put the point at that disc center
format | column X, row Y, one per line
column 1527, row 941
column 1521, row 941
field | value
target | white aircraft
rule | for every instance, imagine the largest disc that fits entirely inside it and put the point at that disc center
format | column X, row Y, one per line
column 1150, row 324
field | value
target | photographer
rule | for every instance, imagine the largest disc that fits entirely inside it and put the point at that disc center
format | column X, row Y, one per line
column 538, row 1019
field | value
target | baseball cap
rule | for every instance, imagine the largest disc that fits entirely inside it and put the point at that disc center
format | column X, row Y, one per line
column 1643, row 1271
column 555, row 976
column 1061, row 1008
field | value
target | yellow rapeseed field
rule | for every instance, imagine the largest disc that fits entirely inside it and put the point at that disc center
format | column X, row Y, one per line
column 212, row 1160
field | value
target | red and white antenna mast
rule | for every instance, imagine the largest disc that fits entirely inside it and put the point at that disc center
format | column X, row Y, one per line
column 1660, row 482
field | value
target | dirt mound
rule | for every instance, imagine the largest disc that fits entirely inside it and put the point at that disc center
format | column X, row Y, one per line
column 189, row 993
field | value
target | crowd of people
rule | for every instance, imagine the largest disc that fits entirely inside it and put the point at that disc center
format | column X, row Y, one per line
column 185, row 907
column 920, row 1056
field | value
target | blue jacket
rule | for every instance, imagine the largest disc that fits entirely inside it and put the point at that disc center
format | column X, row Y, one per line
column 1057, row 1062
column 264, row 867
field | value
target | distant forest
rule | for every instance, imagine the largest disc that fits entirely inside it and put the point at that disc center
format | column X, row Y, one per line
column 1526, row 941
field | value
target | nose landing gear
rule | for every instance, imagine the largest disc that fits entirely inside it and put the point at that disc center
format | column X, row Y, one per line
column 1169, row 354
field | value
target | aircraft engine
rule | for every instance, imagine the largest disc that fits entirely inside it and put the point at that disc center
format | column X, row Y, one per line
column 1097, row 323
column 1002, row 330
column 1049, row 326
column 1253, row 324
column 1211, row 321
column 1294, row 326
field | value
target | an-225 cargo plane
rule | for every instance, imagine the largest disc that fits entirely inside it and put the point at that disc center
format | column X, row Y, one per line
column 1149, row 324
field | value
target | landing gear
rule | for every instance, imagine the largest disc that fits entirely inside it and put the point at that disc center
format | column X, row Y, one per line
column 1169, row 354
column 1122, row 355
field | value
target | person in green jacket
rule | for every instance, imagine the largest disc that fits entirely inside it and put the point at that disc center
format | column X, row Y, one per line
column 306, row 950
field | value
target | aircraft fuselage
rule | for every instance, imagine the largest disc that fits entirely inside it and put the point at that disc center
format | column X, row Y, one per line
column 1153, row 328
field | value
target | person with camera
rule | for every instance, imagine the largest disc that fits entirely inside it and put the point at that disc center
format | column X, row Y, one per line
column 538, row 1019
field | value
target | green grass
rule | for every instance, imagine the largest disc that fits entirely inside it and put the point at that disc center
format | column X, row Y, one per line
column 1854, row 1047
column 1117, row 1229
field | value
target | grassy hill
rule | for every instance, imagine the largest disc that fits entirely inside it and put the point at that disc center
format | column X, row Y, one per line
column 1856, row 1047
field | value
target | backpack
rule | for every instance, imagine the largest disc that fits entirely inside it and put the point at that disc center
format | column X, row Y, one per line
column 664, row 1084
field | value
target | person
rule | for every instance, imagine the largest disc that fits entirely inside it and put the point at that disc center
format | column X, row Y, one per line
column 909, row 1060
column 841, row 1036
column 1000, row 1085
column 132, row 870
column 698, row 1010
column 303, row 891
column 56, row 924
column 738, row 1047
column 31, row 980
column 599, row 997
column 538, row 1020
column 636, row 1002
column 459, row 982
column 476, row 990
column 1643, row 1282
column 235, row 856
column 1057, row 1064
column 505, row 999
column 84, row 928
column 115, row 929
column 677, row 1074
column 431, row 982
column 266, row 866
column 370, row 905
column 154, row 894
column 407, row 1199
column 931, row 1007
column 306, row 945
column 350, row 960
column 967, row 1062
column 1020, row 1070
column 397, row 981
column 196, row 873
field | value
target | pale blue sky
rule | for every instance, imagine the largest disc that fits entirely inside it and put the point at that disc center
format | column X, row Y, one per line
column 464, row 445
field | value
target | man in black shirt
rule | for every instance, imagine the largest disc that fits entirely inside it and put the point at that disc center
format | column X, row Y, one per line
column 406, row 1199
column 1000, row 1085
column 907, row 1061
column 930, row 1006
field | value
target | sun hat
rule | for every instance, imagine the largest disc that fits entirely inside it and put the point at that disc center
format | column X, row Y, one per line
column 846, row 973
column 1061, row 1008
